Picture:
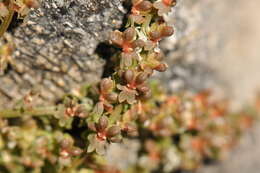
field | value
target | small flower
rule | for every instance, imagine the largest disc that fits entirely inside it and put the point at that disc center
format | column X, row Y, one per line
column 164, row 6
column 106, row 95
column 141, row 6
column 95, row 144
column 126, row 94
column 124, row 39
column 127, row 59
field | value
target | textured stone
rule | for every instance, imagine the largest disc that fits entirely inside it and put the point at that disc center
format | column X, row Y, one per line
column 56, row 47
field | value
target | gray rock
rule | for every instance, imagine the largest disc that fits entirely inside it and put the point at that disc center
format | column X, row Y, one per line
column 56, row 47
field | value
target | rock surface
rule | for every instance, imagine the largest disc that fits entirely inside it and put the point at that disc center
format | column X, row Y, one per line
column 56, row 47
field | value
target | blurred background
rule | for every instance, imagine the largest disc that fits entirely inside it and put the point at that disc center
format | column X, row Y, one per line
column 232, row 58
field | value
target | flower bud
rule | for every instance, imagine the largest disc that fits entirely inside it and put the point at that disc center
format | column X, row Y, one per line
column 167, row 31
column 141, row 78
column 106, row 84
column 144, row 6
column 129, row 34
column 169, row 2
column 155, row 35
column 161, row 68
column 113, row 131
column 129, row 76
column 102, row 124
column 138, row 43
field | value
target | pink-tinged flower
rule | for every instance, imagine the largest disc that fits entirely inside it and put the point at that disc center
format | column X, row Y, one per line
column 124, row 39
column 164, row 6
column 127, row 59
column 104, row 134
column 141, row 6
column 95, row 144
column 126, row 94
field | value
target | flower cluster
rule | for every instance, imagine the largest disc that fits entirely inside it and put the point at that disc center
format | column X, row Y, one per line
column 188, row 128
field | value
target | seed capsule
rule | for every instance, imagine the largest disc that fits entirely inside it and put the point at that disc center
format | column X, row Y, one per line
column 161, row 68
column 129, row 34
column 141, row 78
column 129, row 76
column 155, row 35
column 167, row 31
column 144, row 6
column 106, row 84
column 113, row 131
column 102, row 124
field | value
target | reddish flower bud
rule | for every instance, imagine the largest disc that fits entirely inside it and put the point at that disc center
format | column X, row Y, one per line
column 169, row 2
column 129, row 76
column 161, row 68
column 102, row 124
column 167, row 31
column 144, row 6
column 141, row 78
column 155, row 35
column 129, row 34
column 106, row 84
column 113, row 131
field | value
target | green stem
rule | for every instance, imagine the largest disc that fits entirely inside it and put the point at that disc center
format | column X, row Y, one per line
column 7, row 20
column 42, row 111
